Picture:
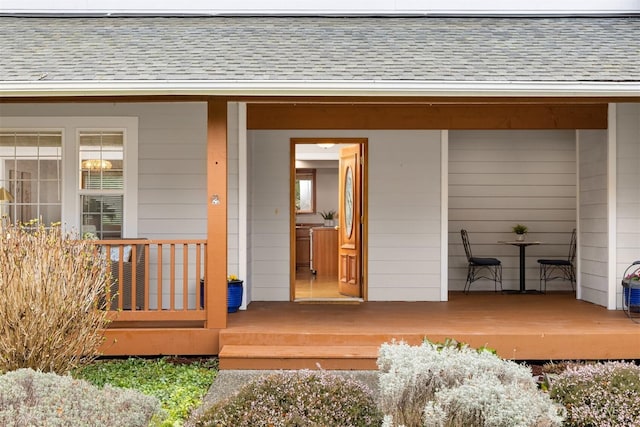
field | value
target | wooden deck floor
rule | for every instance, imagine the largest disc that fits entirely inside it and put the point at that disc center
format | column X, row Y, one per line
column 554, row 326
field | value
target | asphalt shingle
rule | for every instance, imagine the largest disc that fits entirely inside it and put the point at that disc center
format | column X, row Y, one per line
column 481, row 49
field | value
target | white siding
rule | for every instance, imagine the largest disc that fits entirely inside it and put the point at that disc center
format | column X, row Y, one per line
column 500, row 178
column 628, row 191
column 172, row 139
column 403, row 212
column 593, row 238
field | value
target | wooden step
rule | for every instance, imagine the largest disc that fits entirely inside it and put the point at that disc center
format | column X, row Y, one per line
column 341, row 357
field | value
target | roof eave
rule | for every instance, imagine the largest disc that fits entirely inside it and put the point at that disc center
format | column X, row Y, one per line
column 317, row 88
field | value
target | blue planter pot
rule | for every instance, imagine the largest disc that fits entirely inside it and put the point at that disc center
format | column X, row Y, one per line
column 632, row 298
column 234, row 295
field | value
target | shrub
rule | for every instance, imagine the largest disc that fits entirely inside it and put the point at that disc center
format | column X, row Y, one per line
column 50, row 285
column 603, row 394
column 29, row 398
column 300, row 398
column 179, row 384
column 454, row 385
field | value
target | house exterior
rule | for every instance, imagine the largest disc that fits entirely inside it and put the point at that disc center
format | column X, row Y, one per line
column 475, row 122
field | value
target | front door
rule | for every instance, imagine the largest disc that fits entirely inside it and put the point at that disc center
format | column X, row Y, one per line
column 350, row 221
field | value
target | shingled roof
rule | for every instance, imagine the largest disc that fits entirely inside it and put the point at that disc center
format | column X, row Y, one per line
column 408, row 49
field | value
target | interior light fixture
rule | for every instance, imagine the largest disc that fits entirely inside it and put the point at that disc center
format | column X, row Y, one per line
column 5, row 196
column 326, row 145
column 96, row 164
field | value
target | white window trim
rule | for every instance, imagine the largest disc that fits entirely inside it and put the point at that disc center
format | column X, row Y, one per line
column 70, row 127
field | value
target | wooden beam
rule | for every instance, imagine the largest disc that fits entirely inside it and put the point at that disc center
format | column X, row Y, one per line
column 160, row 341
column 367, row 116
column 216, row 263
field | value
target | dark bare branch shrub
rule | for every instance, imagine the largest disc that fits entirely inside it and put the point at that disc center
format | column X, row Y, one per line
column 52, row 305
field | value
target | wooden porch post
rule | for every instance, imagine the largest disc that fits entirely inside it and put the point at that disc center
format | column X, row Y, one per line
column 216, row 299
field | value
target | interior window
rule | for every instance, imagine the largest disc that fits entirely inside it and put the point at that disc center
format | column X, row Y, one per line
column 305, row 190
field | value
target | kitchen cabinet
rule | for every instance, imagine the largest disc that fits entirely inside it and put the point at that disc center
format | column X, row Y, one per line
column 303, row 247
column 325, row 251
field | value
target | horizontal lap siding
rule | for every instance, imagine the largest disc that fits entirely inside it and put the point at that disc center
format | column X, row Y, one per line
column 403, row 212
column 404, row 216
column 172, row 163
column 500, row 178
column 268, row 213
column 593, row 237
column 628, row 192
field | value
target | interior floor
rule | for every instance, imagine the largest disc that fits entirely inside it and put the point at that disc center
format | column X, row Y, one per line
column 311, row 286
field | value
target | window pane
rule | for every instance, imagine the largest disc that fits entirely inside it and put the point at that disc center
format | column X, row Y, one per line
column 101, row 160
column 102, row 213
column 30, row 170
column 305, row 190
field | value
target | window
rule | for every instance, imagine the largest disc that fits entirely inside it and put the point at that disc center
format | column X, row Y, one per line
column 80, row 171
column 102, row 182
column 31, row 176
column 305, row 190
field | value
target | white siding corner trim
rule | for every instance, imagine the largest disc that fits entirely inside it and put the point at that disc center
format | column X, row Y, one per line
column 444, row 215
column 612, row 208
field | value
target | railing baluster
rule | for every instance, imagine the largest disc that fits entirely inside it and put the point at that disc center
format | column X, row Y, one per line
column 147, row 253
column 172, row 280
column 133, row 267
column 160, row 287
column 198, row 267
column 185, row 276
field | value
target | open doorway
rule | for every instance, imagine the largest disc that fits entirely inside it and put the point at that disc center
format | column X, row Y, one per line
column 327, row 219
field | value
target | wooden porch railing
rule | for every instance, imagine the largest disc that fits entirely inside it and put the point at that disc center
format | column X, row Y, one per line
column 156, row 280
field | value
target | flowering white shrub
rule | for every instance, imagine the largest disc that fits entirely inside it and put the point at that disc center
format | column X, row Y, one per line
column 454, row 385
column 603, row 394
column 30, row 398
column 296, row 398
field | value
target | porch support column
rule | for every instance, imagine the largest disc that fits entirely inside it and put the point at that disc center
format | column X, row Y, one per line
column 216, row 299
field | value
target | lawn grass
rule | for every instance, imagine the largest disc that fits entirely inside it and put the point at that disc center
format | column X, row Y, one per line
column 179, row 383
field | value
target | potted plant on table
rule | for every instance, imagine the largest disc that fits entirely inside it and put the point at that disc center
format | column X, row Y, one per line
column 328, row 217
column 234, row 293
column 521, row 231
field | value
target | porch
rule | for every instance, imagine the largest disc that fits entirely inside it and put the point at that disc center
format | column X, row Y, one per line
column 554, row 326
column 161, row 308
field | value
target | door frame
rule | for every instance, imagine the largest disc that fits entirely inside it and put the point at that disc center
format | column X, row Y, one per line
column 364, row 143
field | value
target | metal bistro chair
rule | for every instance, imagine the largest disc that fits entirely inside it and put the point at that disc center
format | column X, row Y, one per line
column 480, row 268
column 551, row 269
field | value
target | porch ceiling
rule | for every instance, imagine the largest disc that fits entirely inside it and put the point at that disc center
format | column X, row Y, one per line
column 311, row 55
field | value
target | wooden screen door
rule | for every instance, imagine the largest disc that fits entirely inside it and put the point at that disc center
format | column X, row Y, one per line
column 350, row 229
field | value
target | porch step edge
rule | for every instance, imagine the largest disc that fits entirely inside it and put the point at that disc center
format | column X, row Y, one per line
column 298, row 357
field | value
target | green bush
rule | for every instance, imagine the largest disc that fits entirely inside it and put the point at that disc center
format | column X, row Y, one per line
column 300, row 398
column 30, row 398
column 456, row 386
column 50, row 286
column 602, row 394
column 179, row 384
